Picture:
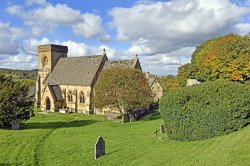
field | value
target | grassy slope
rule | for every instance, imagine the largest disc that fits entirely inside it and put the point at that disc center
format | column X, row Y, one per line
column 69, row 140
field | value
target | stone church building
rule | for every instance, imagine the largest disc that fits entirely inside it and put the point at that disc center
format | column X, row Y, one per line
column 67, row 83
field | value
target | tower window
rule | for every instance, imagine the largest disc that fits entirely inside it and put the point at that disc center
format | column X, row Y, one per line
column 45, row 62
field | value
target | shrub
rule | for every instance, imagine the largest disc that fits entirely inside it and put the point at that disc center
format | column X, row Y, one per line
column 14, row 101
column 206, row 110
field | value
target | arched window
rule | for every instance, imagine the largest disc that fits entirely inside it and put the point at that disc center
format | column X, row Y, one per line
column 45, row 61
column 81, row 96
column 70, row 97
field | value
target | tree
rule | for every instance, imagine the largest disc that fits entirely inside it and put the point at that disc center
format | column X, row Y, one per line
column 226, row 57
column 184, row 72
column 168, row 82
column 123, row 89
column 14, row 101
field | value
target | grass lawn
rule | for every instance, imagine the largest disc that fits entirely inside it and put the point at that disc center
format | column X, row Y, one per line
column 69, row 140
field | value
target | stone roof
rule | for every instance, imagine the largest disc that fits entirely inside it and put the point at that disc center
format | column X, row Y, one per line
column 120, row 63
column 57, row 92
column 75, row 70
column 151, row 80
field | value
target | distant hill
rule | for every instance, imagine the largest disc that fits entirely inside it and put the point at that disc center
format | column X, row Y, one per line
column 20, row 74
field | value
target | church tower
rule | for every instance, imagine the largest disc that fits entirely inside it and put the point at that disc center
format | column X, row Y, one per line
column 48, row 56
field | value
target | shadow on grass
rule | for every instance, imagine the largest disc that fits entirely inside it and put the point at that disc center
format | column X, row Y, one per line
column 53, row 125
column 153, row 116
column 114, row 151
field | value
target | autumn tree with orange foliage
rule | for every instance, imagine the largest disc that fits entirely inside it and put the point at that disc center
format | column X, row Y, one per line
column 226, row 57
column 168, row 83
column 123, row 89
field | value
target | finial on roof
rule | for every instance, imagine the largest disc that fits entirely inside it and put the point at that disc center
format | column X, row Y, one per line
column 104, row 52
column 136, row 55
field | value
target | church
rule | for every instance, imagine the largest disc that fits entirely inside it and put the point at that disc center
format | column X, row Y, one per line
column 66, row 84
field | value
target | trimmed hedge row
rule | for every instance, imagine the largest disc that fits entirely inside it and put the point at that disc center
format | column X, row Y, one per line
column 206, row 110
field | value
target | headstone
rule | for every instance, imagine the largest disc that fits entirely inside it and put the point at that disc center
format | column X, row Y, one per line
column 15, row 125
column 99, row 148
column 125, row 118
column 162, row 129
column 131, row 116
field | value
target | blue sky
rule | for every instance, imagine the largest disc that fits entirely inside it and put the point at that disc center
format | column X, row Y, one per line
column 163, row 33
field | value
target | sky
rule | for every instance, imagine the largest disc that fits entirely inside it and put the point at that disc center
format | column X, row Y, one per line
column 163, row 34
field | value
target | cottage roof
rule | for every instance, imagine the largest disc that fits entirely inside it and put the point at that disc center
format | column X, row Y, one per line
column 75, row 70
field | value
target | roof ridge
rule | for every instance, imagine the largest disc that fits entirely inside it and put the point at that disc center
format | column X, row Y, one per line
column 121, row 60
column 89, row 56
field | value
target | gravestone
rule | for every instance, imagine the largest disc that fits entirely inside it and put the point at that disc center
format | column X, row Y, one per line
column 162, row 129
column 125, row 118
column 15, row 125
column 131, row 116
column 99, row 148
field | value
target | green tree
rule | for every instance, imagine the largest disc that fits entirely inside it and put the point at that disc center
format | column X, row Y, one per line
column 226, row 57
column 184, row 72
column 14, row 101
column 123, row 89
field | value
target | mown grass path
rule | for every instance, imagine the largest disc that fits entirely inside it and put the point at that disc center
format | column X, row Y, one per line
column 69, row 140
column 39, row 145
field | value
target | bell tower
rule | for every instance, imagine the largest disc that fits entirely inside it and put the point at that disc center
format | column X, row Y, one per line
column 48, row 56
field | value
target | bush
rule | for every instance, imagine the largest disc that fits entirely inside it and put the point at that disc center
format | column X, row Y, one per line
column 14, row 101
column 206, row 110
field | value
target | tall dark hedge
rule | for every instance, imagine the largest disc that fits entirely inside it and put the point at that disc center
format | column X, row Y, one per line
column 14, row 101
column 206, row 110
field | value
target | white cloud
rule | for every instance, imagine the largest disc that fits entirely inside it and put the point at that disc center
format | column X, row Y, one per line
column 27, row 58
column 39, row 2
column 243, row 28
column 74, row 48
column 8, row 36
column 20, row 61
column 167, row 63
column 164, row 26
column 111, row 52
column 89, row 26
column 169, row 31
column 46, row 18
column 30, row 46
column 160, row 64
column 77, row 49
column 59, row 14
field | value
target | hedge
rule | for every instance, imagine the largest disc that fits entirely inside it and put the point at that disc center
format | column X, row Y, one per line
column 205, row 110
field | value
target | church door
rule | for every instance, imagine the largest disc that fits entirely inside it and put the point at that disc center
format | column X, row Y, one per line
column 47, row 104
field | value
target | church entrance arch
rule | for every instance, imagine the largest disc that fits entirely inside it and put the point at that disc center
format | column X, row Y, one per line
column 47, row 103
